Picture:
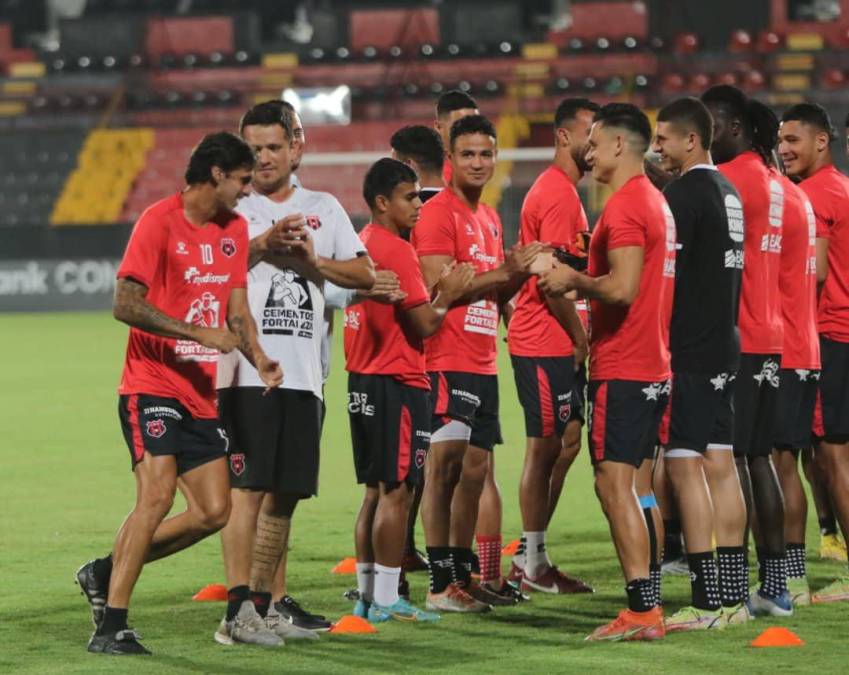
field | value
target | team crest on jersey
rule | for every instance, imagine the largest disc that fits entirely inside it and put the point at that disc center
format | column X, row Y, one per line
column 421, row 454
column 228, row 247
column 494, row 231
column 237, row 463
column 313, row 222
column 155, row 428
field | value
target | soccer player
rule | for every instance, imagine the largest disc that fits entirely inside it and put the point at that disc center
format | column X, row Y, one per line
column 186, row 251
column 299, row 239
column 548, row 347
column 450, row 107
column 461, row 359
column 422, row 148
column 629, row 283
column 745, row 135
column 388, row 400
column 705, row 349
column 806, row 139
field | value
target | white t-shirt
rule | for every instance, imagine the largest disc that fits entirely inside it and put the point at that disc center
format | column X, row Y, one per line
column 288, row 308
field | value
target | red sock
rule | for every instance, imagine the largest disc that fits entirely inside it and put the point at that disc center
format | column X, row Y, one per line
column 489, row 555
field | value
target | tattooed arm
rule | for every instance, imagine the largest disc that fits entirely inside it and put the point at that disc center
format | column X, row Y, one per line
column 242, row 323
column 131, row 307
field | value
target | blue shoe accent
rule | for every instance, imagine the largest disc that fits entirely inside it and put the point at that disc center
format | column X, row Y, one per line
column 760, row 604
column 361, row 609
column 402, row 610
column 376, row 614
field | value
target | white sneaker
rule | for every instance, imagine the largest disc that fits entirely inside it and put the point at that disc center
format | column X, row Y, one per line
column 247, row 627
column 279, row 626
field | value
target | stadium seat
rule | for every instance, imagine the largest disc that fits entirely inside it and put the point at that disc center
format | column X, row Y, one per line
column 686, row 43
column 741, row 41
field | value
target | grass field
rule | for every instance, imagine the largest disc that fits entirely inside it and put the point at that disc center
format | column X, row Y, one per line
column 66, row 488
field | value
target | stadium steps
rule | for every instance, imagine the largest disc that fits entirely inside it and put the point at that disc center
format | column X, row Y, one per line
column 107, row 166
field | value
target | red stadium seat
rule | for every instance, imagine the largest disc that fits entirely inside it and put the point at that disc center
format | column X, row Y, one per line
column 833, row 78
column 741, row 41
column 699, row 82
column 753, row 80
column 727, row 78
column 673, row 82
column 686, row 43
column 769, row 41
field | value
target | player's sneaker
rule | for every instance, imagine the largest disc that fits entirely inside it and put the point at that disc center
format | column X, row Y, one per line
column 352, row 594
column 361, row 608
column 414, row 561
column 286, row 630
column 291, row 611
column 122, row 642
column 455, row 599
column 508, row 590
column 761, row 604
column 488, row 595
column 403, row 586
column 836, row 591
column 677, row 567
column 832, row 547
column 693, row 618
column 515, row 574
column 555, row 582
column 800, row 591
column 401, row 610
column 737, row 614
column 95, row 591
column 631, row 626
column 247, row 627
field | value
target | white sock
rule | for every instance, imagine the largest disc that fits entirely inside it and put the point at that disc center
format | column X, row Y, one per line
column 536, row 557
column 386, row 584
column 520, row 557
column 365, row 580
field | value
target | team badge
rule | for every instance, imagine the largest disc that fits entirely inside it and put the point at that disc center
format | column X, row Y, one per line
column 494, row 231
column 564, row 412
column 237, row 463
column 314, row 222
column 421, row 453
column 228, row 247
column 155, row 428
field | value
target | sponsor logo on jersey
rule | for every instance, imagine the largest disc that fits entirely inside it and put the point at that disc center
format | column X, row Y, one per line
column 181, row 248
column 776, row 203
column 734, row 212
column 237, row 463
column 163, row 411
column 313, row 222
column 155, row 428
column 203, row 311
column 288, row 308
column 734, row 259
column 467, row 396
column 228, row 247
column 769, row 373
column 193, row 276
column 481, row 317
column 358, row 404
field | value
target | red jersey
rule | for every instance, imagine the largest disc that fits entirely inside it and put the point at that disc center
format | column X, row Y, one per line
column 466, row 342
column 552, row 212
column 377, row 339
column 798, row 281
column 828, row 190
column 762, row 192
column 189, row 272
column 632, row 343
column 447, row 172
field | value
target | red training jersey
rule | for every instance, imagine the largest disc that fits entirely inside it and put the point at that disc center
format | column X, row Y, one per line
column 828, row 190
column 632, row 343
column 189, row 272
column 762, row 192
column 552, row 212
column 378, row 341
column 466, row 342
column 798, row 281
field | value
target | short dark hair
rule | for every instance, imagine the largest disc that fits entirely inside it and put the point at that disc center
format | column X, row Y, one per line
column 689, row 114
column 222, row 149
column 454, row 100
column 269, row 113
column 421, row 144
column 759, row 122
column 729, row 97
column 570, row 107
column 812, row 114
column 626, row 116
column 383, row 177
column 471, row 124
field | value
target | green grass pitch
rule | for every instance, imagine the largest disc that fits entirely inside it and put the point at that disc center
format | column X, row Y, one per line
column 67, row 486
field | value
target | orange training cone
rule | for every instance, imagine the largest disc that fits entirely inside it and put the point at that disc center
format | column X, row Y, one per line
column 211, row 593
column 777, row 636
column 352, row 624
column 345, row 566
column 511, row 548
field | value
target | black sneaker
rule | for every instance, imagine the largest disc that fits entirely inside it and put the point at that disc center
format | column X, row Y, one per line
column 476, row 565
column 94, row 590
column 352, row 594
column 119, row 643
column 292, row 612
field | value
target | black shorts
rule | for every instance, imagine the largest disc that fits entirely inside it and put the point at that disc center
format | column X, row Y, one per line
column 700, row 412
column 468, row 398
column 755, row 397
column 794, row 411
column 274, row 439
column 163, row 426
column 390, row 429
column 831, row 420
column 546, row 387
column 624, row 418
